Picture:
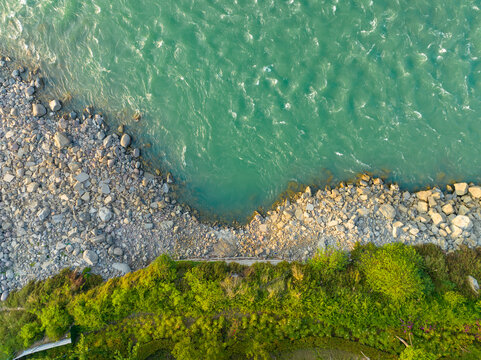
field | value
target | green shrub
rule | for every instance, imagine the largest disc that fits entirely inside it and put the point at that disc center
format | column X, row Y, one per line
column 55, row 320
column 30, row 332
column 394, row 270
column 329, row 260
column 411, row 353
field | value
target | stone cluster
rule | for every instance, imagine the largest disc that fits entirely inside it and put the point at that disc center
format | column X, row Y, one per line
column 75, row 194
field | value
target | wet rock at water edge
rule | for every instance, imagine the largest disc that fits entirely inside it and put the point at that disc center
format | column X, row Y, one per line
column 125, row 140
column 461, row 189
column 55, row 105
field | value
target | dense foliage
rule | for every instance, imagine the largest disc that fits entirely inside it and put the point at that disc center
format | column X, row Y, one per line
column 410, row 303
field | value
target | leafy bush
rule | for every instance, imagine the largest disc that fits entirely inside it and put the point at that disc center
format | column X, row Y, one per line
column 30, row 332
column 411, row 353
column 329, row 260
column 394, row 270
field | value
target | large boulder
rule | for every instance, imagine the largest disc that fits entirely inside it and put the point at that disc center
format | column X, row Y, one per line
column 125, row 140
column 463, row 222
column 38, row 110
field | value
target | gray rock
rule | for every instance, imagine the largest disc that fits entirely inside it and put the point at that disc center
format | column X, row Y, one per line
column 414, row 231
column 473, row 284
column 38, row 110
column 61, row 140
column 43, row 214
column 422, row 207
column 105, row 214
column 396, row 229
column 309, row 207
column 122, row 267
column 436, row 218
column 107, row 141
column 8, row 177
column 90, row 257
column 56, row 219
column 456, row 231
column 423, row 195
column 29, row 91
column 388, row 211
column 125, row 140
column 118, row 251
column 463, row 222
column 461, row 189
column 104, row 189
column 32, row 187
column 166, row 225
column 4, row 296
column 165, row 188
column 9, row 274
column 82, row 177
column 225, row 248
column 98, row 239
column 136, row 153
column 55, row 105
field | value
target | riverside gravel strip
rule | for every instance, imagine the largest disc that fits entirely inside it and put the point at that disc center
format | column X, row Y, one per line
column 74, row 194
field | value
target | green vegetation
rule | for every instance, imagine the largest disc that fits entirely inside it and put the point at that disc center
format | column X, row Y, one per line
column 392, row 302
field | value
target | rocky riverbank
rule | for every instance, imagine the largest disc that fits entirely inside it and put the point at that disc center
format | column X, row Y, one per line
column 74, row 194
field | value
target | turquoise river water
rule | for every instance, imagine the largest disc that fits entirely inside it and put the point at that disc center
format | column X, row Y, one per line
column 241, row 97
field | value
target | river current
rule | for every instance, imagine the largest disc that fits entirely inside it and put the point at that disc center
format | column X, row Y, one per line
column 241, row 97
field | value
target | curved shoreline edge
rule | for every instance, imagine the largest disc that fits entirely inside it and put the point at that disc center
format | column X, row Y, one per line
column 73, row 195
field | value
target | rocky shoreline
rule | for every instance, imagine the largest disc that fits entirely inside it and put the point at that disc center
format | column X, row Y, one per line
column 74, row 194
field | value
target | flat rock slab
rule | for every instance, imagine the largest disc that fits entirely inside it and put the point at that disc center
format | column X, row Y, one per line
column 388, row 211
